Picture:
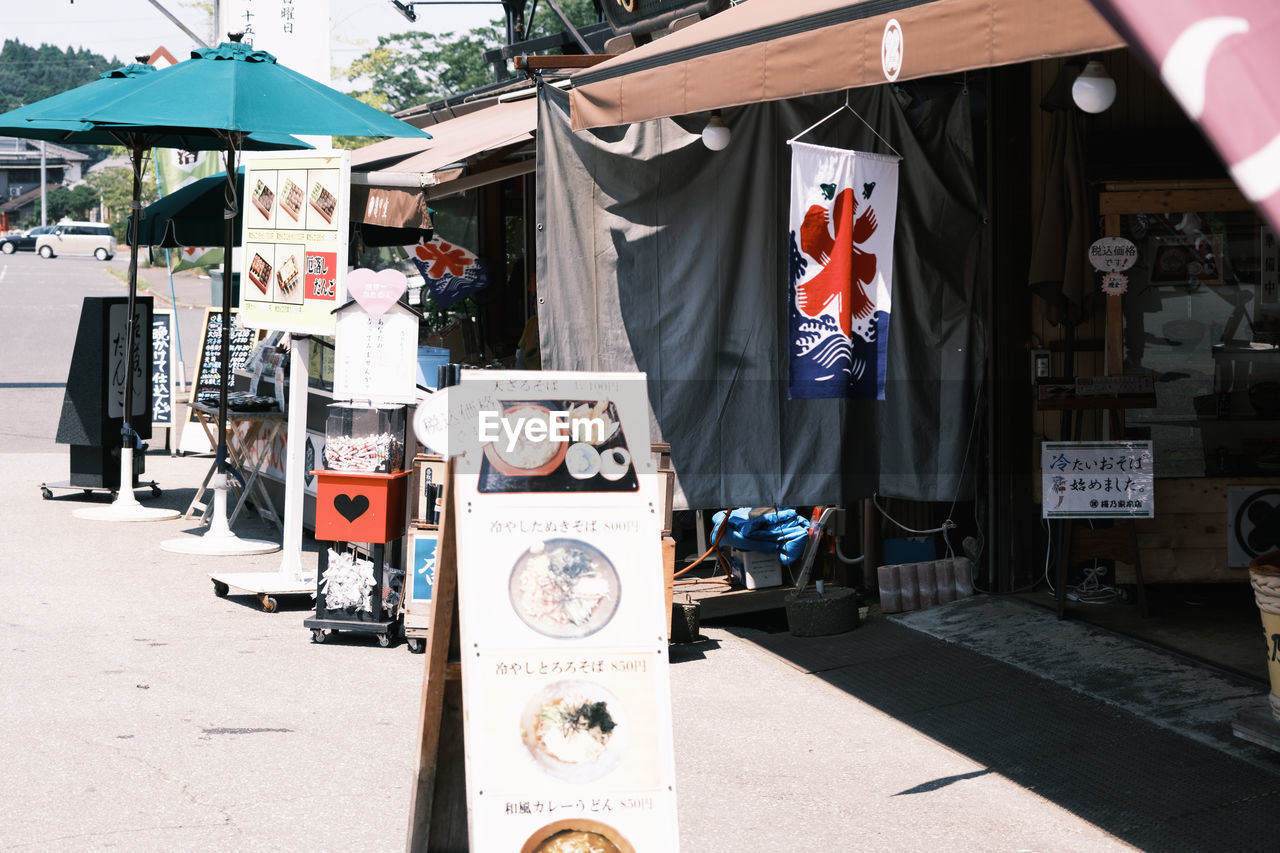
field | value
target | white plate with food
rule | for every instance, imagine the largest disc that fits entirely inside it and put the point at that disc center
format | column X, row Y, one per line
column 577, row 835
column 524, row 456
column 573, row 730
column 564, row 588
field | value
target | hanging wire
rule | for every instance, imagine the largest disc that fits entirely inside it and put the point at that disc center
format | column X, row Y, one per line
column 845, row 106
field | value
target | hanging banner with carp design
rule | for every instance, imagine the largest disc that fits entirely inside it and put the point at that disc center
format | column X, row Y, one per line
column 449, row 271
column 843, row 214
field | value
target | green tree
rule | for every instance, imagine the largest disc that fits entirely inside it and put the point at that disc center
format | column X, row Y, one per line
column 411, row 68
column 406, row 69
column 546, row 22
column 29, row 74
column 71, row 202
column 115, row 188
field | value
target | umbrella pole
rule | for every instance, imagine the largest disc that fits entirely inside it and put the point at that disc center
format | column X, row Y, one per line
column 126, row 506
column 219, row 540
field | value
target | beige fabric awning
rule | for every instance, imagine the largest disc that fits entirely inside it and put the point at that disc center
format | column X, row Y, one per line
column 497, row 126
column 768, row 50
column 392, row 180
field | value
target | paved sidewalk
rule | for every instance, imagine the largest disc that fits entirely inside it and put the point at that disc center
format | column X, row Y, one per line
column 143, row 713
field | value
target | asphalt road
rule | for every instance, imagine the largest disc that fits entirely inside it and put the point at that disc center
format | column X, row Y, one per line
column 40, row 302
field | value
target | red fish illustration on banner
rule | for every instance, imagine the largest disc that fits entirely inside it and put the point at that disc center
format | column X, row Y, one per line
column 842, row 261
column 449, row 271
column 843, row 215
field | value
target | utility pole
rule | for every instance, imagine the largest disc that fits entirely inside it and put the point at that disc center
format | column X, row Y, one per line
column 44, row 200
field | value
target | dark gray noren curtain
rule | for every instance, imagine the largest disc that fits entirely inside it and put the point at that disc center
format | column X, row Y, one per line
column 656, row 254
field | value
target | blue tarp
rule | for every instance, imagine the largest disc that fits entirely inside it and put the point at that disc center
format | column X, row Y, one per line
column 781, row 531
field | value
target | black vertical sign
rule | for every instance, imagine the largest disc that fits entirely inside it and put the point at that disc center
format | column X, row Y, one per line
column 117, row 333
column 162, row 332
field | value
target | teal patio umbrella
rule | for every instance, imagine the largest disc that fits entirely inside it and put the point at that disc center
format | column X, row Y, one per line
column 57, row 119
column 233, row 91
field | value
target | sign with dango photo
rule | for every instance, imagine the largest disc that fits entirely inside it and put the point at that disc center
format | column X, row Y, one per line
column 295, row 240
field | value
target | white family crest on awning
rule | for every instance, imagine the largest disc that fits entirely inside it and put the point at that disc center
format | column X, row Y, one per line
column 768, row 50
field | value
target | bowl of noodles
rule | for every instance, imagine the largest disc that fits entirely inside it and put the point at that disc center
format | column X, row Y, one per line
column 523, row 456
column 564, row 588
column 573, row 730
column 577, row 835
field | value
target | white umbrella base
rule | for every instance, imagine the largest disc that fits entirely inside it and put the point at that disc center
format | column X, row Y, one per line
column 127, row 512
column 218, row 540
column 211, row 545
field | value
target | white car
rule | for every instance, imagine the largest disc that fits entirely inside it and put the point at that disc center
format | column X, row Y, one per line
column 78, row 238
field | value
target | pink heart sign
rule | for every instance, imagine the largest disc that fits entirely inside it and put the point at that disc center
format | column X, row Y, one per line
column 376, row 291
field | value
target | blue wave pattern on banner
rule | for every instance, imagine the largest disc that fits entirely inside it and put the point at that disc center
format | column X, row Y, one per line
column 450, row 272
column 825, row 364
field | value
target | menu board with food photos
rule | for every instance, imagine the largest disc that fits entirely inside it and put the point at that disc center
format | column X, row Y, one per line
column 295, row 239
column 561, row 605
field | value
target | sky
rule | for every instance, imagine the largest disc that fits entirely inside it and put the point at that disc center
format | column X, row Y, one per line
column 127, row 28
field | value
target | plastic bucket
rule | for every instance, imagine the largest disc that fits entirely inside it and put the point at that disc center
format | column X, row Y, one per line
column 429, row 358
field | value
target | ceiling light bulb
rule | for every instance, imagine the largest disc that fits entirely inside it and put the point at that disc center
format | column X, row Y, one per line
column 716, row 134
column 1094, row 90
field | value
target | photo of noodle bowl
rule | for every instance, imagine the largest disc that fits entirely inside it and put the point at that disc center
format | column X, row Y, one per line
column 564, row 588
column 573, row 730
column 519, row 455
column 577, row 835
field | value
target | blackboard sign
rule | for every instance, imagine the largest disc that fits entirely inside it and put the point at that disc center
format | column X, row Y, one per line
column 162, row 367
column 205, row 388
column 117, row 331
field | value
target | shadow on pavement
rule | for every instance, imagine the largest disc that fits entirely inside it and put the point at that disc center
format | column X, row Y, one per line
column 1146, row 785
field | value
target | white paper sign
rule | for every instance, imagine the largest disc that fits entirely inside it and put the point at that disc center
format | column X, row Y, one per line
column 562, row 609
column 374, row 358
column 1112, row 254
column 1097, row 479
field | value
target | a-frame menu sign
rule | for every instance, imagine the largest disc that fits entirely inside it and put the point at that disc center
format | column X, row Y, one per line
column 560, row 685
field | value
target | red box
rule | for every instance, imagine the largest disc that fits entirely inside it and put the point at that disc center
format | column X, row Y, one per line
column 353, row 507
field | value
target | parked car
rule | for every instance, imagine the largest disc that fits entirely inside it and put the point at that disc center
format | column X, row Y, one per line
column 83, row 238
column 23, row 241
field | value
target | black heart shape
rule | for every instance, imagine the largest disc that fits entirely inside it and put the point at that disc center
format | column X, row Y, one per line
column 351, row 508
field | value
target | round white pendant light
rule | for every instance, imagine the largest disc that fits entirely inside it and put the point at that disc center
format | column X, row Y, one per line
column 1094, row 90
column 716, row 134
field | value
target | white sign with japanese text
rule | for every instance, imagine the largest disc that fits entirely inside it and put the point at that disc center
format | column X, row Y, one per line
column 374, row 356
column 562, row 610
column 1097, row 479
column 295, row 32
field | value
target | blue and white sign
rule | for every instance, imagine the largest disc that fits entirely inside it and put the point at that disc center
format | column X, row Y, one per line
column 1097, row 479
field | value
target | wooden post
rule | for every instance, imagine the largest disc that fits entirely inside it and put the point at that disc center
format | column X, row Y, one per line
column 669, row 575
column 438, row 804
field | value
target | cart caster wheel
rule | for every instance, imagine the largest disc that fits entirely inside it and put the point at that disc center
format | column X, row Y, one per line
column 384, row 640
column 268, row 604
column 415, row 644
column 46, row 494
column 220, row 589
column 317, row 635
column 155, row 491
